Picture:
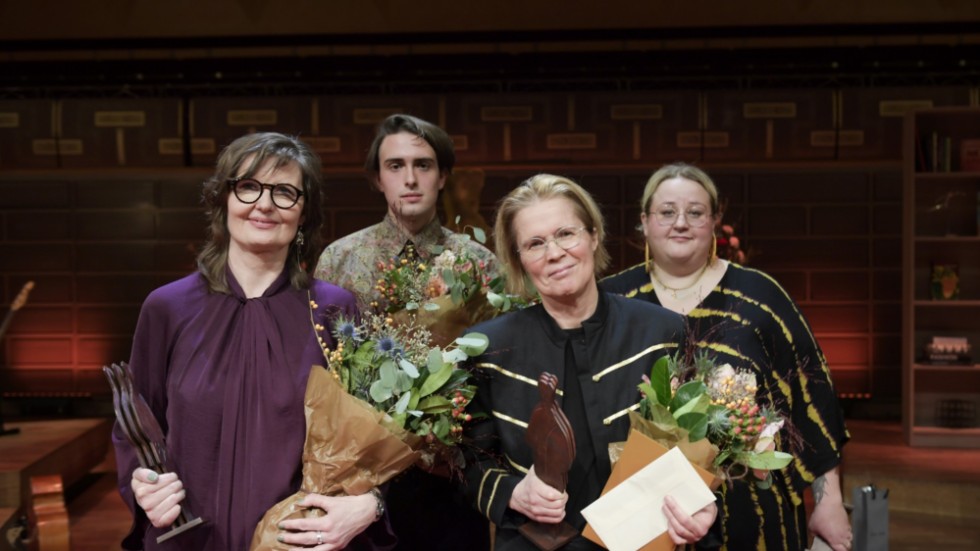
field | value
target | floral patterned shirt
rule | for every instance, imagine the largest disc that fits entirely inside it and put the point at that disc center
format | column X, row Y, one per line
column 352, row 261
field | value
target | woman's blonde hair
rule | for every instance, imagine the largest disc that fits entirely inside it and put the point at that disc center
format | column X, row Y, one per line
column 679, row 170
column 533, row 190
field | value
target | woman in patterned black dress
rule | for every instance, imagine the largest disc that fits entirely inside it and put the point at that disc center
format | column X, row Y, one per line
column 745, row 318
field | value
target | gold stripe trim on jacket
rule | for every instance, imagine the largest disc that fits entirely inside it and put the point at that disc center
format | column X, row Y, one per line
column 516, row 465
column 509, row 419
column 632, row 359
column 512, row 375
column 618, row 414
column 483, row 484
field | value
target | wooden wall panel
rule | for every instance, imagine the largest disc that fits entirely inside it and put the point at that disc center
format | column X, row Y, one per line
column 766, row 125
column 215, row 122
column 121, row 132
column 27, row 134
column 346, row 125
column 870, row 119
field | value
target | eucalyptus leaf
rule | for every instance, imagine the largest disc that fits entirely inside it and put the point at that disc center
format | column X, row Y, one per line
column 403, row 383
column 401, row 406
column 495, row 300
column 768, row 460
column 431, row 307
column 409, row 368
column 479, row 234
column 380, row 392
column 388, row 373
column 454, row 356
column 434, row 362
column 411, row 306
column 473, row 344
column 449, row 277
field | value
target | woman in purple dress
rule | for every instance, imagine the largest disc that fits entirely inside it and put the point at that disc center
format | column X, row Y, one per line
column 222, row 358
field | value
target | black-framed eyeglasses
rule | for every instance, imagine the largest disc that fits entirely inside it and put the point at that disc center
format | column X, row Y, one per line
column 667, row 215
column 249, row 190
column 566, row 237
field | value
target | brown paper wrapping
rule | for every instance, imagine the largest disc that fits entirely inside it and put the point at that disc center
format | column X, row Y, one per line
column 350, row 448
column 450, row 320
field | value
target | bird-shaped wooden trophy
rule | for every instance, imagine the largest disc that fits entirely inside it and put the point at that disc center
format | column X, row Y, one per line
column 553, row 448
column 142, row 430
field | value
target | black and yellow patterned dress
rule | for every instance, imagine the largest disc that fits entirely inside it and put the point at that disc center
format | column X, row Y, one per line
column 749, row 321
column 598, row 366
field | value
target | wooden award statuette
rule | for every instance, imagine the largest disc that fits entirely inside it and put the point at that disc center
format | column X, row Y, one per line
column 143, row 431
column 553, row 448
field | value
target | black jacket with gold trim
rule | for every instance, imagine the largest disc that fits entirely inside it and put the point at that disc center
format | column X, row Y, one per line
column 623, row 339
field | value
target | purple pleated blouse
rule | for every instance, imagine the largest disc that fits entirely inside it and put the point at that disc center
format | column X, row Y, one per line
column 225, row 376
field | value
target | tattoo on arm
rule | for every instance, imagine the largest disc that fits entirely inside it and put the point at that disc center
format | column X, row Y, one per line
column 819, row 488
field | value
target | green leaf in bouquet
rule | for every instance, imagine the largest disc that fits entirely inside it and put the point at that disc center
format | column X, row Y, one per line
column 662, row 418
column 409, row 368
column 431, row 307
column 660, row 380
column 456, row 292
column 768, row 460
column 498, row 301
column 379, row 391
column 435, row 381
column 473, row 344
column 435, row 404
column 441, row 428
column 449, row 277
column 698, row 404
column 687, row 392
column 388, row 373
column 480, row 235
column 437, row 250
column 401, row 406
column 696, row 425
column 453, row 356
column 403, row 383
column 411, row 306
column 434, row 362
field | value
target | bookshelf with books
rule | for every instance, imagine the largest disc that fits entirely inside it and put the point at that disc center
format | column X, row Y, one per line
column 941, row 278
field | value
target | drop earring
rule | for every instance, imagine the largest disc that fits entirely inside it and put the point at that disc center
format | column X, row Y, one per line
column 299, row 239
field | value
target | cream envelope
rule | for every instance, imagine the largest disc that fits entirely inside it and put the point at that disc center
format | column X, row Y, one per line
column 628, row 515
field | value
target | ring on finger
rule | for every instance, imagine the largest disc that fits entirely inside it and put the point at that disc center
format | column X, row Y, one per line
column 319, row 537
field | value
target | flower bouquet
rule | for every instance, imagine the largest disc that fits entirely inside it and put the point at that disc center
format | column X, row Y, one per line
column 446, row 295
column 710, row 412
column 386, row 401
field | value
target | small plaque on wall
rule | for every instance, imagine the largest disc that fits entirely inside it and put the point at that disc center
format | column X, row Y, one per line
column 203, row 146
column 578, row 140
column 374, row 115
column 509, row 113
column 323, row 144
column 898, row 108
column 170, row 146
column 769, row 110
column 843, row 138
column 461, row 142
column 715, row 139
column 50, row 146
column 253, row 117
column 115, row 119
column 636, row 112
column 9, row 120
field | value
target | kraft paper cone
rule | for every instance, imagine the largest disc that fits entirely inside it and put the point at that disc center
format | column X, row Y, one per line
column 350, row 448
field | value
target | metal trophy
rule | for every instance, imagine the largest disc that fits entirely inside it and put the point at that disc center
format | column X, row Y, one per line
column 143, row 431
column 553, row 448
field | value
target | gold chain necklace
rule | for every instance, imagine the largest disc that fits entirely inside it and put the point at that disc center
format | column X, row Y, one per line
column 678, row 293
